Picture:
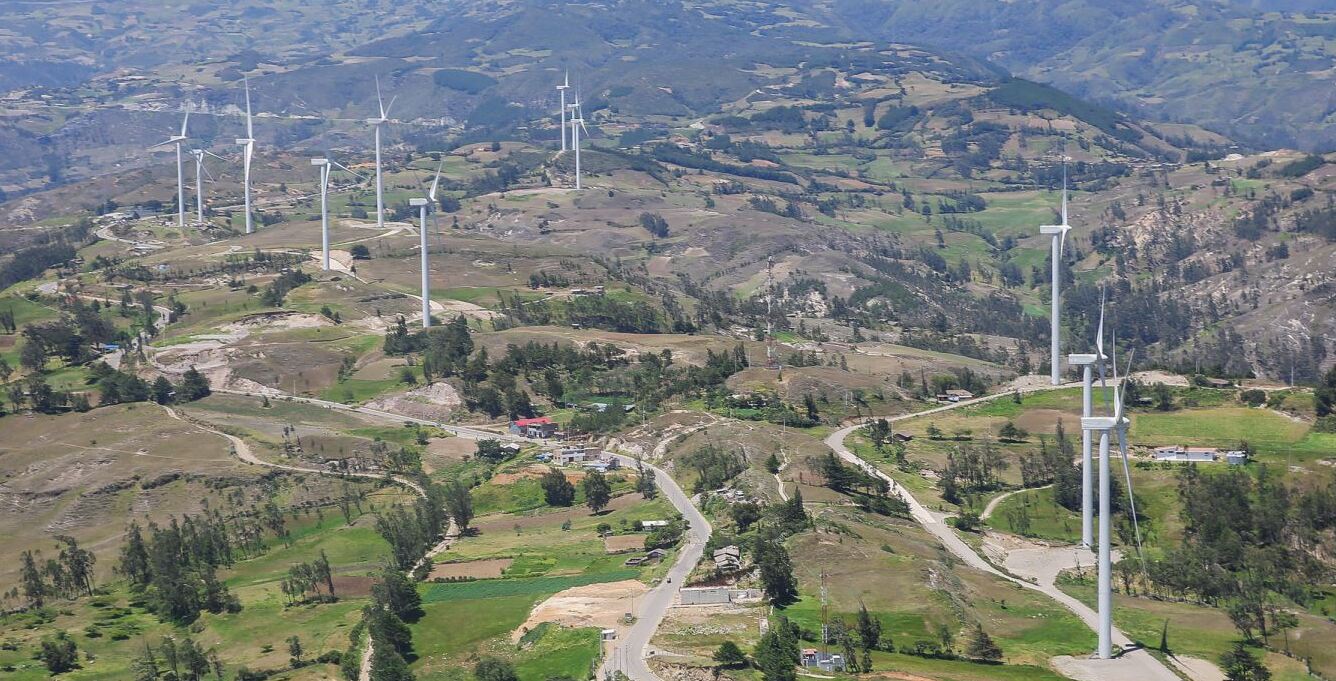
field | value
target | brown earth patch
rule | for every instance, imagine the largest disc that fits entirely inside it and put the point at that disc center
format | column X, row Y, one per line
column 530, row 472
column 491, row 568
column 593, row 605
column 1045, row 420
column 623, row 543
column 353, row 585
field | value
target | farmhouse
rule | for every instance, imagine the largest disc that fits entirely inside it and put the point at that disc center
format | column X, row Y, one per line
column 826, row 662
column 540, row 428
column 728, row 559
column 955, row 396
column 1186, row 454
column 598, row 461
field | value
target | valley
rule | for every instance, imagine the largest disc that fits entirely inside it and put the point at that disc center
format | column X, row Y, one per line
column 768, row 395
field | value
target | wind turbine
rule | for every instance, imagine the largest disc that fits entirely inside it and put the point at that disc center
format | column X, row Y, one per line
column 423, row 204
column 200, row 172
column 247, row 154
column 565, row 83
column 577, row 124
column 326, row 165
column 1117, row 423
column 376, row 123
column 1059, row 234
column 1088, row 362
column 177, row 140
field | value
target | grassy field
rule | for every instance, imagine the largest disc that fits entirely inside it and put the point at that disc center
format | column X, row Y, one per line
column 1272, row 435
column 1207, row 632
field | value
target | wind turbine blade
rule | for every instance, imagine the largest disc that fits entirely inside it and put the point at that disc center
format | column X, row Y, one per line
column 436, row 181
column 389, row 106
column 185, row 122
column 1131, row 497
column 1099, row 352
column 1064, row 191
column 379, row 100
column 163, row 144
column 346, row 170
column 206, row 172
column 1120, row 391
column 220, row 158
column 250, row 131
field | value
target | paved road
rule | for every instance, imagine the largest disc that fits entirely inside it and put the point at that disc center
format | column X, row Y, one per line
column 629, row 653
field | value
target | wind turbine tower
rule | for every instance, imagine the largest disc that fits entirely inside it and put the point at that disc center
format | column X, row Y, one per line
column 424, row 204
column 1088, row 362
column 200, row 173
column 577, row 124
column 1117, row 424
column 247, row 154
column 326, row 166
column 376, row 123
column 1059, row 234
column 565, row 83
column 177, row 140
column 771, row 359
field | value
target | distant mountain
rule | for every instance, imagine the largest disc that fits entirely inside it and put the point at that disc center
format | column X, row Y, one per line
column 1258, row 71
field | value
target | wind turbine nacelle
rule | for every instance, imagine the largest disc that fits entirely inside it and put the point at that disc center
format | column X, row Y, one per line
column 1082, row 360
column 417, row 202
column 375, row 121
column 244, row 141
column 1098, row 423
column 1053, row 229
column 319, row 161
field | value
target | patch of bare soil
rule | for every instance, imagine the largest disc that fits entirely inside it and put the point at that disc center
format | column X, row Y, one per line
column 1042, row 420
column 593, row 605
column 433, row 402
column 530, row 472
column 623, row 543
column 1153, row 377
column 491, row 568
column 353, row 585
column 276, row 321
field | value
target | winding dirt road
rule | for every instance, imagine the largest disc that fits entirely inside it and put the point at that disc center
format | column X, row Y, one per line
column 1133, row 665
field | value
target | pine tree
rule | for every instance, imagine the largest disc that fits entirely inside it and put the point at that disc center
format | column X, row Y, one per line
column 194, row 386
column 981, row 646
column 35, row 588
column 597, row 491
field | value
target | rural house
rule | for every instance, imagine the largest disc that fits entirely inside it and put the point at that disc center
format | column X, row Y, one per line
column 539, row 428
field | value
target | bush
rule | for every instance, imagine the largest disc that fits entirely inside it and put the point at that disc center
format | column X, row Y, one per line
column 1253, row 398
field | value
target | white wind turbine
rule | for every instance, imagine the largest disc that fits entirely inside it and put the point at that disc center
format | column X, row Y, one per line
column 326, row 165
column 424, row 204
column 1059, row 233
column 577, row 124
column 177, row 140
column 1117, row 423
column 565, row 84
column 376, row 123
column 200, row 173
column 247, row 155
column 1088, row 362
